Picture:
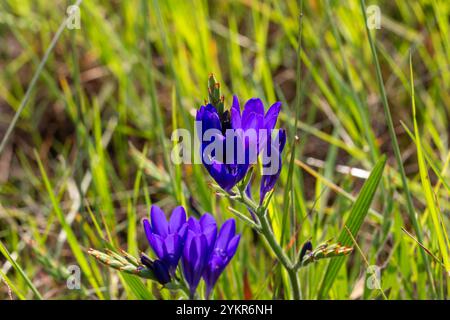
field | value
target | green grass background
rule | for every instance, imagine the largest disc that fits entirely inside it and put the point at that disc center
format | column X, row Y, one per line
column 91, row 150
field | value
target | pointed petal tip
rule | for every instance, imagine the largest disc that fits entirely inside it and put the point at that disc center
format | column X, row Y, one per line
column 159, row 221
column 177, row 219
column 233, row 245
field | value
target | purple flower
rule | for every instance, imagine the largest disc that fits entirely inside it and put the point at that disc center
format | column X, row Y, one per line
column 205, row 225
column 224, row 249
column 271, row 170
column 200, row 241
column 226, row 173
column 251, row 130
column 268, row 180
column 167, row 238
column 202, row 252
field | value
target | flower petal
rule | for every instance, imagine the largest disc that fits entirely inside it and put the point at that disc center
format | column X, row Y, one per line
column 157, row 244
column 252, row 121
column 172, row 251
column 177, row 219
column 146, row 261
column 172, row 245
column 232, row 246
column 253, row 105
column 212, row 272
column 147, row 229
column 185, row 261
column 213, row 147
column 194, row 261
column 155, row 241
column 159, row 222
column 268, row 180
column 235, row 104
column 209, row 117
column 235, row 114
column 282, row 140
column 271, row 117
column 183, row 232
column 227, row 231
column 219, row 172
column 161, row 272
column 194, row 225
column 209, row 229
column 207, row 221
column 253, row 115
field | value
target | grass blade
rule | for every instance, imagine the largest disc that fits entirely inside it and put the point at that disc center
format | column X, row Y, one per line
column 11, row 287
column 395, row 146
column 33, row 82
column 137, row 287
column 71, row 238
column 432, row 206
column 22, row 273
column 353, row 223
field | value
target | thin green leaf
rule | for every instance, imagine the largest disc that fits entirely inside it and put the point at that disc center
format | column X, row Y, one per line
column 18, row 268
column 353, row 223
column 71, row 238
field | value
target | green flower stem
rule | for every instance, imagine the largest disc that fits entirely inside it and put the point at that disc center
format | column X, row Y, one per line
column 179, row 285
column 270, row 237
column 263, row 226
column 295, row 284
column 266, row 231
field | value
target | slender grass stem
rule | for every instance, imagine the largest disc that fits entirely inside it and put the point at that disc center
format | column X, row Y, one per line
column 33, row 81
column 398, row 156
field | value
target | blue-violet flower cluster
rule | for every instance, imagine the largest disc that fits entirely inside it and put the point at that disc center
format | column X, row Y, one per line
column 204, row 251
column 251, row 132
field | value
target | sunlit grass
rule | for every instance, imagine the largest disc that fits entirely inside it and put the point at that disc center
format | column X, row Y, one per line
column 90, row 151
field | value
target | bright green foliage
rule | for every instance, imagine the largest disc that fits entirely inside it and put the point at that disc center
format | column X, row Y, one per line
column 102, row 108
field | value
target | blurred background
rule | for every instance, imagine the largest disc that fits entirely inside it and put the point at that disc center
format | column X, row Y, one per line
column 90, row 151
